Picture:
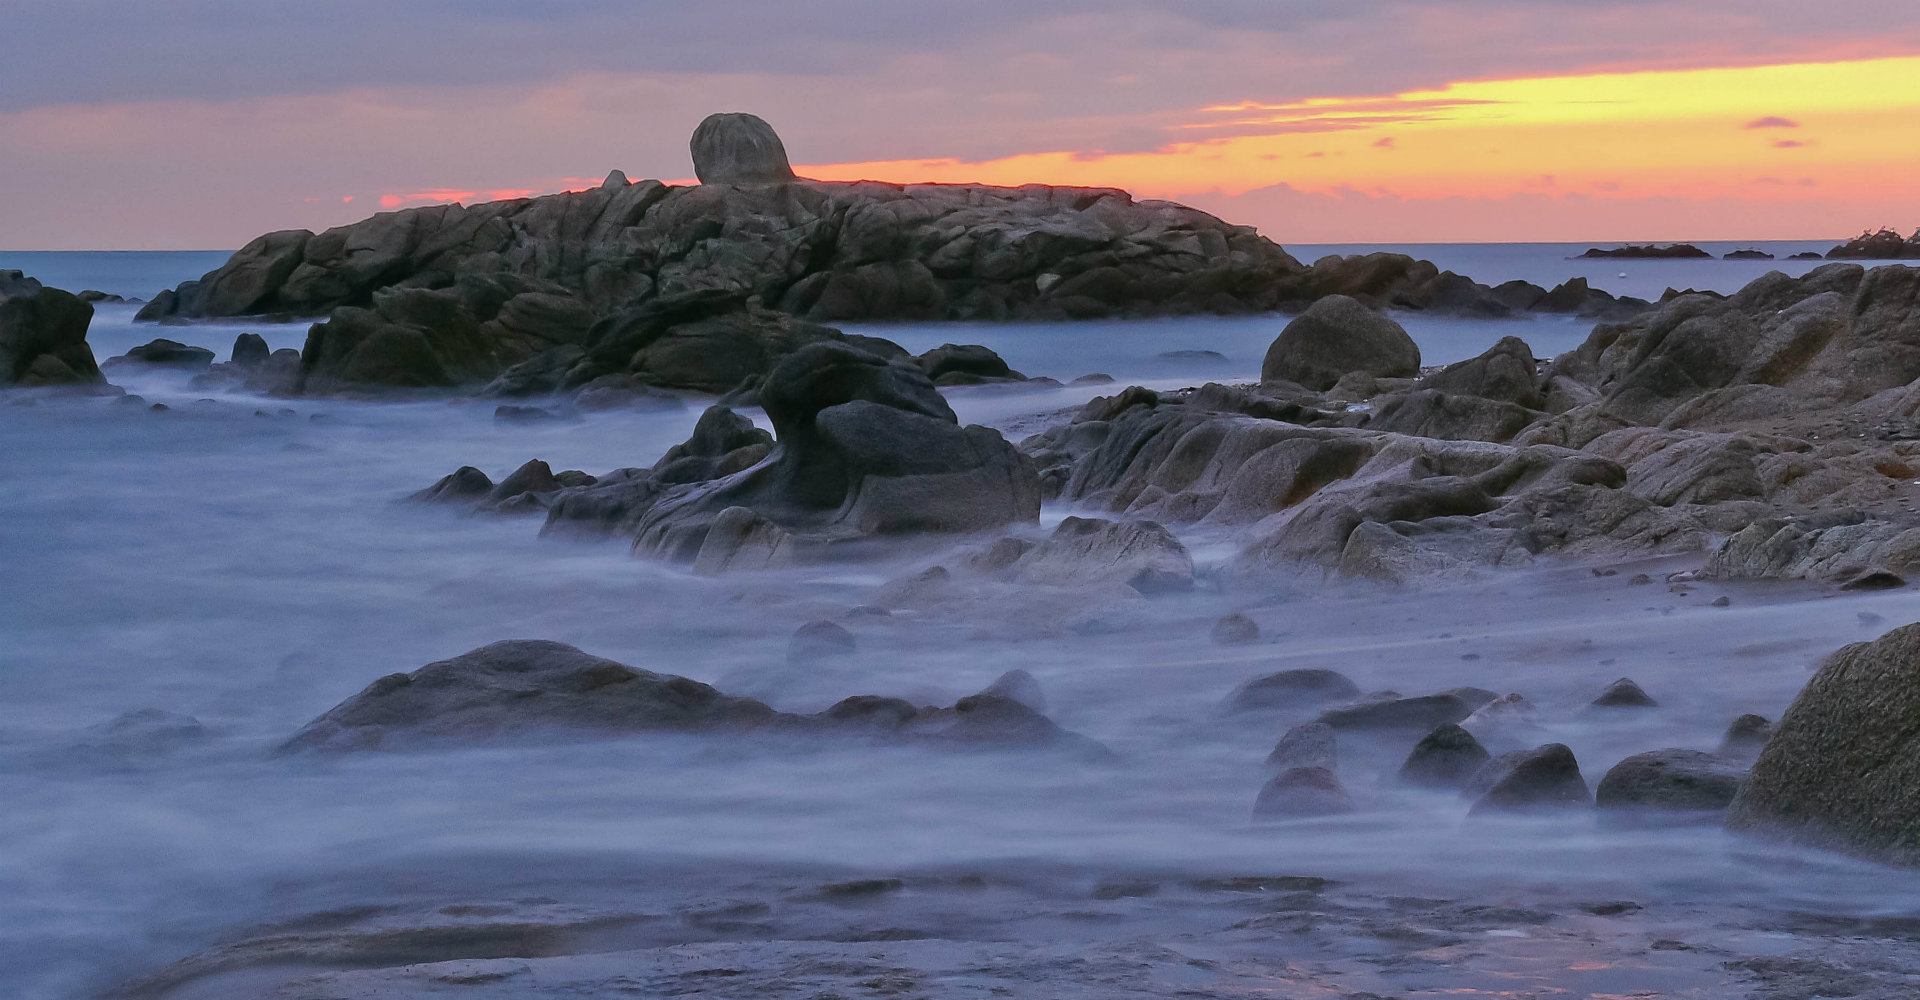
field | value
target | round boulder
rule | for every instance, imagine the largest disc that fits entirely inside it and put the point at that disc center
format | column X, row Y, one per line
column 738, row 149
column 1670, row 780
column 1335, row 336
column 1842, row 768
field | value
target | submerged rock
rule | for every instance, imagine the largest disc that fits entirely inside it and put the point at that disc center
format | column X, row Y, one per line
column 1624, row 693
column 1544, row 778
column 164, row 353
column 1311, row 744
column 818, row 641
column 1746, row 736
column 518, row 687
column 1424, row 713
column 1019, row 686
column 1670, row 781
column 1235, row 630
column 1446, row 758
column 1302, row 793
column 525, row 688
column 1081, row 551
column 1307, row 687
column 1842, row 769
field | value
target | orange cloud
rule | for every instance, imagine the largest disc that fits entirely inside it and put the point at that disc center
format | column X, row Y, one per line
column 1660, row 134
column 443, row 196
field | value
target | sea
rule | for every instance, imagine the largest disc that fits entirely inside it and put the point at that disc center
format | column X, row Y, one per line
column 216, row 574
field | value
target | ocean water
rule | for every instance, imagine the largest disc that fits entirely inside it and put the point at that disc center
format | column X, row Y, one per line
column 245, row 562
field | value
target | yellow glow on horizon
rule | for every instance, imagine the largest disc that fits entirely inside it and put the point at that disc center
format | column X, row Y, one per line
column 1851, row 126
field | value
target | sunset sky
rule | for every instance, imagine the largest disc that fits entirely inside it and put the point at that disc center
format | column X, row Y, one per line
column 200, row 123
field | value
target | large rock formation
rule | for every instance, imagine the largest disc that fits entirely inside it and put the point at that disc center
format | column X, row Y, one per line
column 43, row 335
column 1842, row 768
column 738, row 149
column 455, row 294
column 864, row 447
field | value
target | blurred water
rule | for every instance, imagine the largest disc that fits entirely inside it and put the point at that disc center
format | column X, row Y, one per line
column 251, row 569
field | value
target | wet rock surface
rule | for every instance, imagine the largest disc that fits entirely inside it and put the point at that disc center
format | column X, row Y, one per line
column 1844, row 761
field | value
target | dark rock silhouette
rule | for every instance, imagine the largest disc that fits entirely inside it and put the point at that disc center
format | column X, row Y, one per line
column 43, row 335
column 737, row 148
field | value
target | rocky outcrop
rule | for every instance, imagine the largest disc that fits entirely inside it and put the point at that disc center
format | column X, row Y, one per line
column 1671, row 251
column 1335, row 337
column 164, row 353
column 457, row 294
column 863, row 448
column 43, row 335
column 525, row 688
column 723, row 443
column 738, row 149
column 1831, row 338
column 1089, row 551
column 1866, row 554
column 1884, row 244
column 1842, row 768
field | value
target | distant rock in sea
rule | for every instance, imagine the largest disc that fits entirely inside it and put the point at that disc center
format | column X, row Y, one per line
column 1747, row 255
column 1650, row 252
column 43, row 335
column 706, row 287
column 1884, row 244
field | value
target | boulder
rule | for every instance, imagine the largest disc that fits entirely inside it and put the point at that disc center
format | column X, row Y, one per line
column 1306, row 687
column 738, row 148
column 1446, row 758
column 1624, row 693
column 1337, row 336
column 1302, row 793
column 1506, row 371
column 1310, row 744
column 43, row 335
column 1544, row 778
column 1505, row 723
column 1435, row 414
column 1670, row 781
column 1424, row 713
column 250, row 351
column 1089, row 551
column 863, row 448
column 1842, row 769
column 965, row 364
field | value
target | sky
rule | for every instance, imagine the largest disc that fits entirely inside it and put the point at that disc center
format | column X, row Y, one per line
column 172, row 124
